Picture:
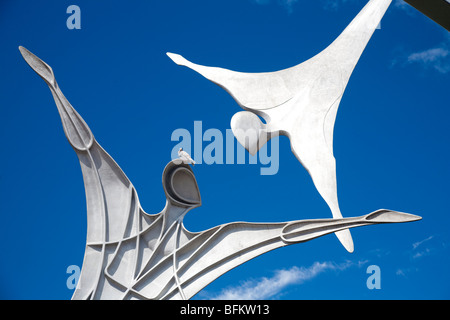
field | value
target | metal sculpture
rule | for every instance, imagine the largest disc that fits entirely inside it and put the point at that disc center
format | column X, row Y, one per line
column 300, row 102
column 131, row 254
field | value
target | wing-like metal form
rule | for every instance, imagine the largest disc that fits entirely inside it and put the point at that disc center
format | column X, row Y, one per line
column 129, row 253
column 115, row 218
column 300, row 102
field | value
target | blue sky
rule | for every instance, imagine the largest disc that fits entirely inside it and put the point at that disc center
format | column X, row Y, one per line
column 391, row 139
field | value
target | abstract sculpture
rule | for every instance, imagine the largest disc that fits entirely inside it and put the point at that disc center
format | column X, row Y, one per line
column 131, row 254
column 300, row 102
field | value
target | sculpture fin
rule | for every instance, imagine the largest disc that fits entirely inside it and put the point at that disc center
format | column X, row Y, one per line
column 250, row 90
column 75, row 128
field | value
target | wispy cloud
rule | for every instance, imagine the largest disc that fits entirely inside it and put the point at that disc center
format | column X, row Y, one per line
column 335, row 4
column 418, row 243
column 421, row 249
column 287, row 4
column 401, row 4
column 405, row 7
column 426, row 247
column 264, row 2
column 405, row 272
column 266, row 288
column 436, row 58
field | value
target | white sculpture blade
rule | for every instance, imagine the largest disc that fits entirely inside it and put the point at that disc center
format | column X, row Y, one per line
column 75, row 128
column 300, row 102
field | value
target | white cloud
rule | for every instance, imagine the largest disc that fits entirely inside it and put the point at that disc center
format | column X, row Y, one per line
column 420, row 254
column 418, row 243
column 420, row 250
column 405, row 272
column 332, row 4
column 427, row 247
column 335, row 4
column 261, row 1
column 401, row 4
column 405, row 7
column 265, row 288
column 287, row 4
column 435, row 58
column 401, row 272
